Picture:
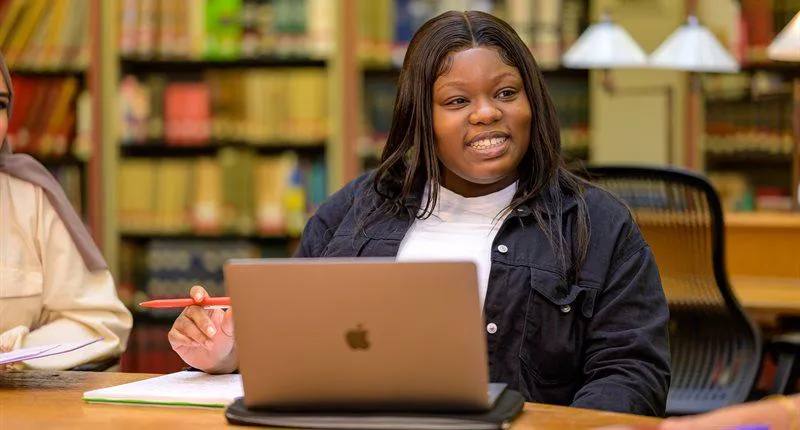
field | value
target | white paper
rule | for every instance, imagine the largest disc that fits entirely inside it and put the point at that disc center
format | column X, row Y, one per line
column 185, row 388
column 35, row 352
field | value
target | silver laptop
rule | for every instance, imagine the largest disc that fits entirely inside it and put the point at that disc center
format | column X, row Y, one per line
column 360, row 334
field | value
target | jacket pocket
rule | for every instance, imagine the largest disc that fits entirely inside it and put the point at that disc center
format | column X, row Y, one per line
column 555, row 324
column 18, row 282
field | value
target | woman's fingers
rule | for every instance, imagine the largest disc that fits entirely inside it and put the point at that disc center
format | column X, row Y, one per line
column 196, row 324
column 227, row 323
column 198, row 294
column 178, row 339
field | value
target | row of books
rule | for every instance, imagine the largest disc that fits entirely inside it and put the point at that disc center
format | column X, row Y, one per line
column 236, row 192
column 72, row 179
column 750, row 142
column 756, row 86
column 52, row 116
column 225, row 29
column 571, row 98
column 250, row 105
column 45, row 34
column 378, row 105
column 547, row 26
column 745, row 126
column 752, row 191
column 165, row 269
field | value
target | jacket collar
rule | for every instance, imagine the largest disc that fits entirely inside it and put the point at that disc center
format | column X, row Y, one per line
column 568, row 202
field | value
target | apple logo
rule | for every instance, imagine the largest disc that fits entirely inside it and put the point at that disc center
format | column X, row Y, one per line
column 357, row 338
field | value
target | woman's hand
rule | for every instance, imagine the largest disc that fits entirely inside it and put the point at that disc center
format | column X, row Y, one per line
column 7, row 366
column 779, row 414
column 9, row 341
column 782, row 413
column 203, row 338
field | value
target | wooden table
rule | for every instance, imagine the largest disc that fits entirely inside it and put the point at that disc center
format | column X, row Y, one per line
column 768, row 296
column 40, row 400
column 763, row 244
column 761, row 252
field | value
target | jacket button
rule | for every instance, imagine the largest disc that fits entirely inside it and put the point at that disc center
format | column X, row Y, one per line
column 491, row 328
column 502, row 249
column 566, row 309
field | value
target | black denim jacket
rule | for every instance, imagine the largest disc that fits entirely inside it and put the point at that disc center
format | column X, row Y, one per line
column 598, row 343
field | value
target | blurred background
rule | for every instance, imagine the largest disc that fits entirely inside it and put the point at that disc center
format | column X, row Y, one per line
column 187, row 132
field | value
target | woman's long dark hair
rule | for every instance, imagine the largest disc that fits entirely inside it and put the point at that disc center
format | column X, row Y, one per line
column 409, row 160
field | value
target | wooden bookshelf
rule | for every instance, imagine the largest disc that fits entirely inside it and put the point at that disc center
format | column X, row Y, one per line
column 747, row 159
column 749, row 135
column 337, row 149
column 46, row 44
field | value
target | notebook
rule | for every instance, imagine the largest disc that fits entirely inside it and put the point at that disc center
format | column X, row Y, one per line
column 185, row 388
column 35, row 352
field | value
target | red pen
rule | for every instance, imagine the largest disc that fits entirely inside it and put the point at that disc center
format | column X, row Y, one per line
column 208, row 303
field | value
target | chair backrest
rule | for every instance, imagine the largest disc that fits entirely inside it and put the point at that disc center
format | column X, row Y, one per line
column 715, row 347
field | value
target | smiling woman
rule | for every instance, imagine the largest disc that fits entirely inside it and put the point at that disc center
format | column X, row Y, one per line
column 481, row 122
column 472, row 170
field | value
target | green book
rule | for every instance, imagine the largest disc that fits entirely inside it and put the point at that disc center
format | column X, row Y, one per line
column 223, row 29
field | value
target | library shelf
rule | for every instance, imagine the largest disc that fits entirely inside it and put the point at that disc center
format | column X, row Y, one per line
column 159, row 148
column 747, row 160
column 54, row 72
column 60, row 160
column 144, row 65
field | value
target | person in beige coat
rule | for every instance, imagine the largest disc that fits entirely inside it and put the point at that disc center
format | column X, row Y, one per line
column 54, row 283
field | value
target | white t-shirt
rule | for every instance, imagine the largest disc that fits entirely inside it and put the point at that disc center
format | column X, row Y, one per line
column 459, row 228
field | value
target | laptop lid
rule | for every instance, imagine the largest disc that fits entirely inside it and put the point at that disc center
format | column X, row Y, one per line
column 359, row 334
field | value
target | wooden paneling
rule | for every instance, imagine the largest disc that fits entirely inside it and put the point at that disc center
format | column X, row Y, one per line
column 763, row 245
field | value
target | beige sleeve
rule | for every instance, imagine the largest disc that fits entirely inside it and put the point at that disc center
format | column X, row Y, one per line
column 77, row 304
column 11, row 339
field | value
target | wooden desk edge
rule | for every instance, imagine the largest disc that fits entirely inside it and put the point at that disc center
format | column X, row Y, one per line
column 762, row 219
column 47, row 391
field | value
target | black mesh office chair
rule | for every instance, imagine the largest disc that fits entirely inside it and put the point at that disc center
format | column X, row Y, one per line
column 715, row 347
